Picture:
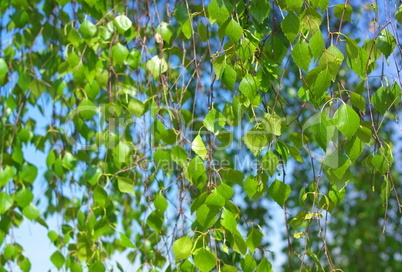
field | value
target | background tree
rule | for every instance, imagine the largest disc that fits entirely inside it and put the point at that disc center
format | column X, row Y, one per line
column 174, row 129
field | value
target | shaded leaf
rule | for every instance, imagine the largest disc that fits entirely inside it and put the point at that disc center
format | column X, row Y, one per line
column 301, row 55
column 343, row 12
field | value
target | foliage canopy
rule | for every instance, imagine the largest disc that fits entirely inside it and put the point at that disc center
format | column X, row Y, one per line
column 173, row 131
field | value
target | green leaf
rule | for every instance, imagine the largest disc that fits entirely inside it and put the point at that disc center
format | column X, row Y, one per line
column 119, row 53
column 187, row 29
column 121, row 152
column 260, row 10
column 155, row 221
column 86, row 109
column 219, row 65
column 225, row 191
column 3, row 67
column 219, row 11
column 5, row 175
column 195, row 170
column 295, row 153
column 321, row 84
column 125, row 241
column 6, row 201
column 301, row 55
column 92, row 174
column 249, row 86
column 384, row 98
column 198, row 202
column 264, row 266
column 23, row 197
column 250, row 186
column 331, row 59
column 69, row 161
column 202, row 31
column 181, row 13
column 364, row 133
column 157, row 66
column 57, row 259
column 100, row 196
column 166, row 31
column 134, row 58
column 169, row 136
column 346, row 120
column 256, row 140
column 383, row 159
column 162, row 159
column 214, row 121
column 229, row 77
column 279, row 192
column 398, row 15
column 122, row 23
column 10, row 251
column 228, row 221
column 294, row 5
column 290, row 26
column 246, row 50
column 386, row 42
column 248, row 263
column 87, row 29
column 254, row 239
column 317, row 44
column 179, row 155
column 358, row 101
column 338, row 161
column 273, row 124
column 310, row 20
column 74, row 37
column 234, row 31
column 24, row 135
column 136, row 107
column 352, row 49
column 215, row 200
column 31, row 212
column 125, row 185
column 359, row 63
column 323, row 129
column 182, row 248
column 17, row 155
column 229, row 268
column 29, row 172
column 343, row 12
column 25, row 265
column 97, row 267
column 205, row 260
column 53, row 236
column 160, row 203
column 205, row 216
column 199, row 148
column 270, row 162
column 231, row 175
column 354, row 147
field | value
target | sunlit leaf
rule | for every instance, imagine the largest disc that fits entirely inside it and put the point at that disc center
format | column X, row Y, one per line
column 279, row 192
column 182, row 248
column 346, row 120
